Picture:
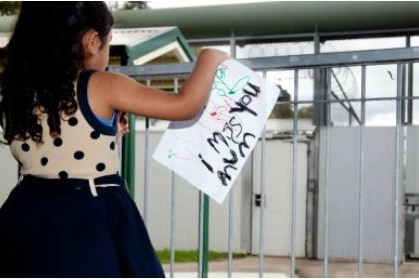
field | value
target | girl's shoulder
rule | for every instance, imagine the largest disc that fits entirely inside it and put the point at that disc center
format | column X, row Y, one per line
column 102, row 76
column 113, row 84
column 108, row 81
column 105, row 90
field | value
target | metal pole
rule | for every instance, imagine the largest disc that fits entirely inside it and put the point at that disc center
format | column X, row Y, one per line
column 327, row 177
column 262, row 199
column 200, row 235
column 205, row 246
column 146, row 162
column 173, row 209
column 128, row 161
column 231, row 195
column 294, row 173
column 128, row 152
column 172, row 225
column 203, row 235
column 361, row 176
column 410, row 68
column 396, row 242
column 230, row 233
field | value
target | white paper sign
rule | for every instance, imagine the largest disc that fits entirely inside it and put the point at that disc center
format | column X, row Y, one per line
column 210, row 150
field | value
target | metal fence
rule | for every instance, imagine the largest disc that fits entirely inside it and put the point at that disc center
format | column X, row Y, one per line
column 323, row 68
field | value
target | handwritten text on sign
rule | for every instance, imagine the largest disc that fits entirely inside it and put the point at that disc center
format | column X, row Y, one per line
column 210, row 150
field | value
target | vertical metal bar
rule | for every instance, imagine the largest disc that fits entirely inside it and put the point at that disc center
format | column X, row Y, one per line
column 262, row 198
column 231, row 195
column 128, row 160
column 203, row 235
column 128, row 151
column 294, row 173
column 404, row 91
column 361, row 176
column 409, row 119
column 173, row 206
column 327, row 176
column 200, row 235
column 410, row 93
column 230, row 233
column 316, row 39
column 172, row 225
column 146, row 162
column 205, row 247
column 396, row 236
column 232, row 45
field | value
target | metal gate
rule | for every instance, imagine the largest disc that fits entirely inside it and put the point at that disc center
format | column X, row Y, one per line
column 321, row 178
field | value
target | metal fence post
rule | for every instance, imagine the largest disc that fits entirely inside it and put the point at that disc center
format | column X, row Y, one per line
column 128, row 156
column 203, row 235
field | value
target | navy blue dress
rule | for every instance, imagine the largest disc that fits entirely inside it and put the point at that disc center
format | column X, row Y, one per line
column 58, row 229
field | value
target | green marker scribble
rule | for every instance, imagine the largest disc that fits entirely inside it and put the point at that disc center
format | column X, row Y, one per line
column 222, row 88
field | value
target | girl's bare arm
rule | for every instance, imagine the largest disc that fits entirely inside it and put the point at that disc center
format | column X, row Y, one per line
column 113, row 91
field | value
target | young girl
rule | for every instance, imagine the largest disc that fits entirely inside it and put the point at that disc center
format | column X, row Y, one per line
column 70, row 215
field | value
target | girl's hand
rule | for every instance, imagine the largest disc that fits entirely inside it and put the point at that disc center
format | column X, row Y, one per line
column 123, row 125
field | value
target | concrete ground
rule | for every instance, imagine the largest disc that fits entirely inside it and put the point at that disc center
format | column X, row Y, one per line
column 276, row 267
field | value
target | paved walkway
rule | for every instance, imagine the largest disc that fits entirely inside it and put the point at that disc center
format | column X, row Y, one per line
column 276, row 267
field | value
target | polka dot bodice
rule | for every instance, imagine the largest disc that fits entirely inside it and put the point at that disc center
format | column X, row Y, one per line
column 86, row 147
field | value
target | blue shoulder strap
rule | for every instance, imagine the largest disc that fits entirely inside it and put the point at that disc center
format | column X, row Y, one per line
column 91, row 118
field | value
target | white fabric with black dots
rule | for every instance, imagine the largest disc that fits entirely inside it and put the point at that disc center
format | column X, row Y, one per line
column 81, row 151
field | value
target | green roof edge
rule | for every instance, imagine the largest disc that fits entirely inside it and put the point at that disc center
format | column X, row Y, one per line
column 173, row 35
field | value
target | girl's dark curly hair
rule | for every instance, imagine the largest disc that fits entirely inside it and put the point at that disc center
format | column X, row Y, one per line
column 42, row 60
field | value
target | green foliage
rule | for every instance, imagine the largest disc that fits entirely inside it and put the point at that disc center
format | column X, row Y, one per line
column 135, row 5
column 127, row 5
column 281, row 111
column 285, row 110
column 306, row 112
column 192, row 256
column 9, row 7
